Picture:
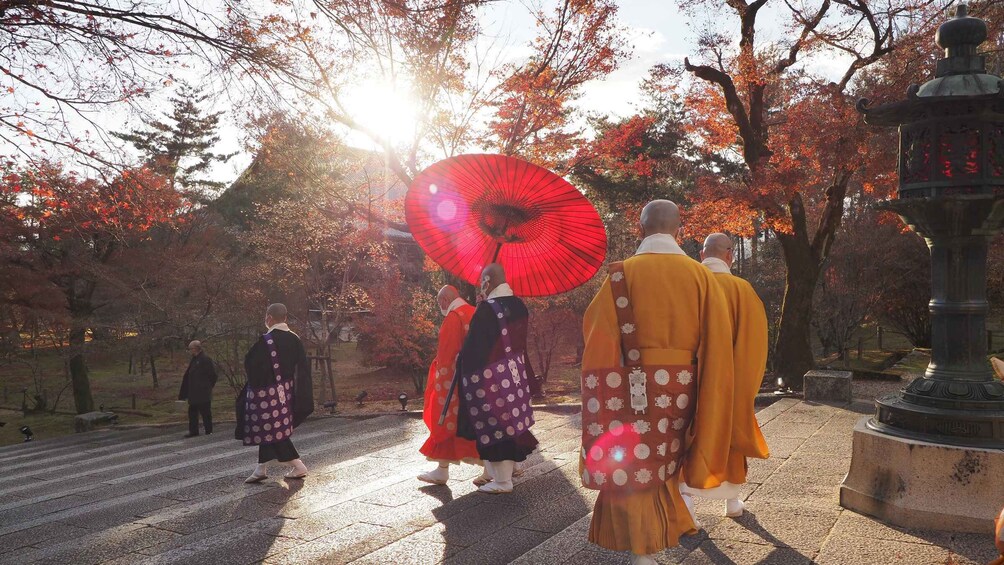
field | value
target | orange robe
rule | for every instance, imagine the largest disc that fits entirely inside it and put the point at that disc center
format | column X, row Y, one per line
column 443, row 444
column 749, row 347
column 999, row 539
column 681, row 315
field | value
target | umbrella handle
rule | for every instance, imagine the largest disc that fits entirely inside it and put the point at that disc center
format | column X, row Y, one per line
column 498, row 248
column 449, row 397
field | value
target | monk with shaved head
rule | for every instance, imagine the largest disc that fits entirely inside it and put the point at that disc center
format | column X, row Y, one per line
column 749, row 356
column 277, row 397
column 494, row 372
column 657, row 366
column 443, row 445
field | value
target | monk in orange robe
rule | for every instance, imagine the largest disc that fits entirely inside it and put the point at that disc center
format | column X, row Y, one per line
column 681, row 315
column 749, row 347
column 443, row 445
column 999, row 538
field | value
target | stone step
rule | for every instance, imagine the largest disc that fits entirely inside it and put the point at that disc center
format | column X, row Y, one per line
column 218, row 451
column 74, row 439
column 362, row 478
column 63, row 445
column 145, row 452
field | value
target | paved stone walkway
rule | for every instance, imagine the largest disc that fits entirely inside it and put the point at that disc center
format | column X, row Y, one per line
column 149, row 496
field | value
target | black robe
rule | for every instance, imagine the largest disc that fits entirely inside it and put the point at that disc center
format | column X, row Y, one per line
column 199, row 380
column 482, row 345
column 293, row 364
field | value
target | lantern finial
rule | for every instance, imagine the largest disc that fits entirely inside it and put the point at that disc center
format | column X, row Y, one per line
column 960, row 37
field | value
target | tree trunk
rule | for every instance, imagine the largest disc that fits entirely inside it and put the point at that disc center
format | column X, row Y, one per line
column 153, row 371
column 793, row 350
column 82, row 398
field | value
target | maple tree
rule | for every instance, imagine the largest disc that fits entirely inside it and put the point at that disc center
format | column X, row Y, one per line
column 416, row 48
column 65, row 62
column 302, row 207
column 633, row 160
column 579, row 41
column 401, row 329
column 69, row 229
column 797, row 135
column 878, row 272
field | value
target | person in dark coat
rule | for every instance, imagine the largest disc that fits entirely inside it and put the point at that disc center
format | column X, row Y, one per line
column 484, row 345
column 286, row 384
column 197, row 388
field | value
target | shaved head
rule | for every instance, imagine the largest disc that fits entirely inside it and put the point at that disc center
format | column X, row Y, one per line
column 660, row 216
column 275, row 314
column 277, row 311
column 446, row 296
column 495, row 275
column 718, row 245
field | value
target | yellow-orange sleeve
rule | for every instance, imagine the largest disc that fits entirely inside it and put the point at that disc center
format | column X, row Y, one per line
column 707, row 458
column 750, row 360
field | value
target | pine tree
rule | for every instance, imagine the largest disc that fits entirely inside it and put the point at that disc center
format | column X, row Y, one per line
column 180, row 146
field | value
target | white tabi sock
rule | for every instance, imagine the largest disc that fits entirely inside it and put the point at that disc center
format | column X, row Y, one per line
column 689, row 501
column 642, row 559
column 502, row 481
column 298, row 470
column 438, row 476
column 258, row 475
column 734, row 507
column 485, row 475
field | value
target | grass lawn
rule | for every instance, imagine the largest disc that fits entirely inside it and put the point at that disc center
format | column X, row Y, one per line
column 114, row 388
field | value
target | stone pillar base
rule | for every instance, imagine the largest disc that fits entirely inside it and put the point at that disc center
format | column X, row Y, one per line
column 916, row 484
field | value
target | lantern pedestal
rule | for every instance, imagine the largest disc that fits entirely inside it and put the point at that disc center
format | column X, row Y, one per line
column 957, row 401
column 932, row 455
column 918, row 484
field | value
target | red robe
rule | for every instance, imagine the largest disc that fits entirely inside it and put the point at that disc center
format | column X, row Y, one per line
column 443, row 443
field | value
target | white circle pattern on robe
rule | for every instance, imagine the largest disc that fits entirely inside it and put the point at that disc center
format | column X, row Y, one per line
column 663, row 425
column 614, row 380
column 662, row 377
column 616, row 427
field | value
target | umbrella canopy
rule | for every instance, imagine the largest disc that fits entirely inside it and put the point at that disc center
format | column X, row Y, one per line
column 467, row 210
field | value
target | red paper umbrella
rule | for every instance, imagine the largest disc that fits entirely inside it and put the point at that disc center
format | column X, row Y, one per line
column 469, row 210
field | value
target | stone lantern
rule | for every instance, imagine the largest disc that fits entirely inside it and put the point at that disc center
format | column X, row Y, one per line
column 937, row 446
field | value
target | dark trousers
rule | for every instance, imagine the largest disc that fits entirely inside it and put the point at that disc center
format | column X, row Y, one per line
column 283, row 451
column 204, row 408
